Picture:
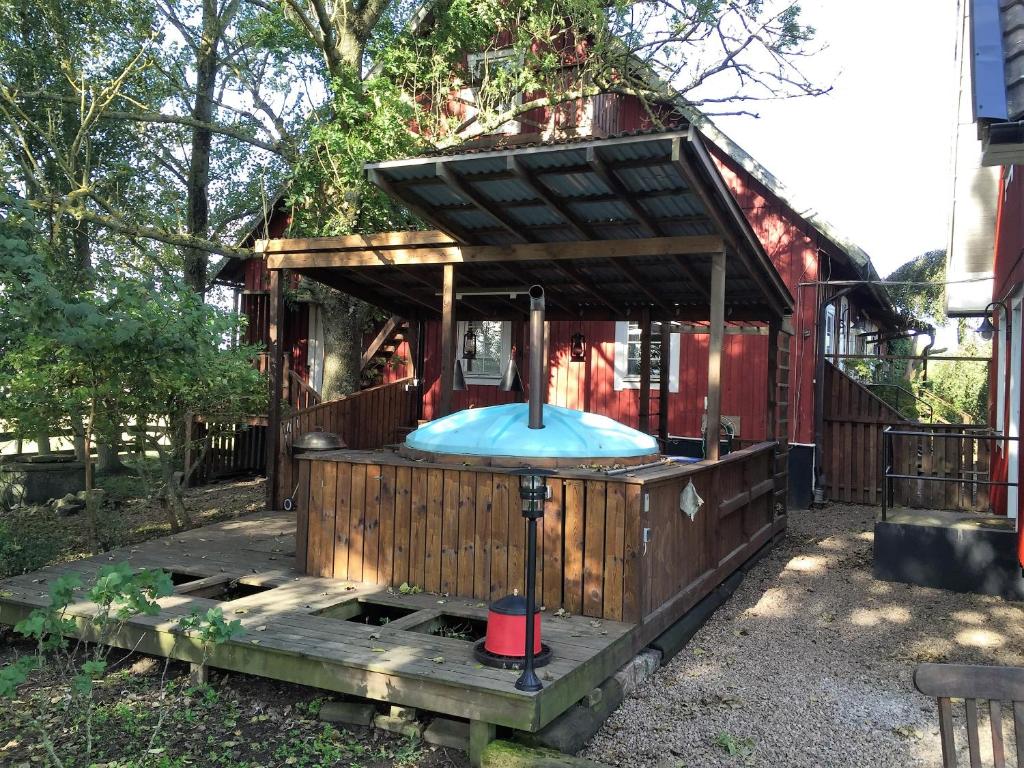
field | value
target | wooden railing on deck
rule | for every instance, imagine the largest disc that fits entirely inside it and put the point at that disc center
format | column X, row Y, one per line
column 365, row 420
column 448, row 528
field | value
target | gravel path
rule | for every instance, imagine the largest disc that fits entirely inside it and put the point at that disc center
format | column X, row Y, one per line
column 810, row 662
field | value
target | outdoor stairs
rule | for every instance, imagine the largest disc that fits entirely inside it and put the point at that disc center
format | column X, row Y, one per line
column 382, row 349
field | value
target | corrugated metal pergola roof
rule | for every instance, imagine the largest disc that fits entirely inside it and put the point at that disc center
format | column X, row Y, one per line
column 606, row 225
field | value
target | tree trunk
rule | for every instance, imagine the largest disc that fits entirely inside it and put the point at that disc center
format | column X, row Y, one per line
column 198, row 187
column 42, row 444
column 108, row 457
column 344, row 319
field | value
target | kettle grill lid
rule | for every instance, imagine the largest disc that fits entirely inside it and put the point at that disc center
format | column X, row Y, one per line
column 318, row 440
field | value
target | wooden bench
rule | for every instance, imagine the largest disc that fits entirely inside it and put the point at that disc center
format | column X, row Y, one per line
column 974, row 684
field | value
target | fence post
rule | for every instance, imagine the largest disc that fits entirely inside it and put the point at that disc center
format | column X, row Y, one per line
column 886, row 469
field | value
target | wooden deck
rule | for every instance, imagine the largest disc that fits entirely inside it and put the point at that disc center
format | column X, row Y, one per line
column 328, row 633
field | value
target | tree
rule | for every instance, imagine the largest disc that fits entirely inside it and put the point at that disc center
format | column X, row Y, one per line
column 115, row 350
column 923, row 301
column 397, row 88
column 198, row 93
column 225, row 97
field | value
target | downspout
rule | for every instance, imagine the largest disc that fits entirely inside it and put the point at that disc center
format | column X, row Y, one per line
column 819, row 396
column 538, row 392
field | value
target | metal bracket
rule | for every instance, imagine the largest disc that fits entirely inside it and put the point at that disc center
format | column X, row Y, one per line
column 647, row 535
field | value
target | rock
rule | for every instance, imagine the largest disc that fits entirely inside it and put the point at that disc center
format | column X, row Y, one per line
column 447, row 733
column 349, row 712
column 69, row 505
column 399, row 725
column 404, row 713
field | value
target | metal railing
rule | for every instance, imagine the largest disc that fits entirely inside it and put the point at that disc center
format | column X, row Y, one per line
column 911, row 397
column 968, row 432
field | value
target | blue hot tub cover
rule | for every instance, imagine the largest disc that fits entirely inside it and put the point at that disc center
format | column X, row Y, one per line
column 502, row 430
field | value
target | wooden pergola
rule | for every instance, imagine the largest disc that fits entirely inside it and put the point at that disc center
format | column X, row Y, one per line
column 639, row 226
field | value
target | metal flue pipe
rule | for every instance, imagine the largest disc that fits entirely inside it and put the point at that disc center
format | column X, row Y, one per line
column 537, row 389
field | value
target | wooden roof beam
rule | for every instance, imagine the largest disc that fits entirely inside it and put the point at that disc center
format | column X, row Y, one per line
column 582, row 281
column 718, row 205
column 381, row 240
column 582, row 231
column 626, row 197
column 389, row 287
column 680, row 246
column 691, row 274
column 631, row 274
column 459, row 185
column 409, row 200
column 551, row 295
column 340, row 280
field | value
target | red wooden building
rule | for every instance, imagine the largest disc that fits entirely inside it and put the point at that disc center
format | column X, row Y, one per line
column 805, row 251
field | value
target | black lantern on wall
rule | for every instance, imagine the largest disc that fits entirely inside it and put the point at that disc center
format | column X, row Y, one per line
column 469, row 343
column 578, row 348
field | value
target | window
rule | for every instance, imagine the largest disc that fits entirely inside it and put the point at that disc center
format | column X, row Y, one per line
column 830, row 324
column 627, row 358
column 493, row 346
column 485, row 66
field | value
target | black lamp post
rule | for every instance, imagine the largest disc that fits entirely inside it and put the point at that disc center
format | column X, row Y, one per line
column 533, row 491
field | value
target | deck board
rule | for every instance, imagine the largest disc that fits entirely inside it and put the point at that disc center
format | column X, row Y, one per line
column 287, row 639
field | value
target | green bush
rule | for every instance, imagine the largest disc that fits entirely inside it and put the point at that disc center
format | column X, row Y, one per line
column 29, row 540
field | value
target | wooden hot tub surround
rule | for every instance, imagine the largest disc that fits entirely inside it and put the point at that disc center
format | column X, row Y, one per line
column 382, row 518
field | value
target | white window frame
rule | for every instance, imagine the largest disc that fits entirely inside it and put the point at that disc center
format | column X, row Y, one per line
column 475, row 63
column 1013, row 425
column 485, row 379
column 830, row 328
column 623, row 380
column 1001, row 372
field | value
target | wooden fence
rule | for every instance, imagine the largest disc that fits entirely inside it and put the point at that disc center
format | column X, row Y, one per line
column 947, row 451
column 368, row 419
column 232, row 450
column 854, row 420
column 854, row 444
column 381, row 518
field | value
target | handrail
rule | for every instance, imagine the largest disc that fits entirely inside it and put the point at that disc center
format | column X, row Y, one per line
column 306, row 396
column 913, row 396
column 888, row 475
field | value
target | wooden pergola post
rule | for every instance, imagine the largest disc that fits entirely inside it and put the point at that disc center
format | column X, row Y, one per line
column 276, row 370
column 447, row 339
column 771, row 412
column 664, row 375
column 712, row 433
column 645, row 370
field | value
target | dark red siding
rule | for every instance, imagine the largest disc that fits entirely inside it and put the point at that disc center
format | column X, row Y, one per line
column 1008, row 271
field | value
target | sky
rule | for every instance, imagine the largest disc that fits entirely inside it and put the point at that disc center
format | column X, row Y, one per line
column 873, row 155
